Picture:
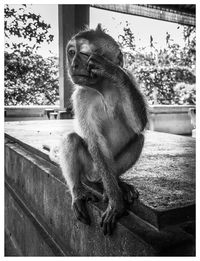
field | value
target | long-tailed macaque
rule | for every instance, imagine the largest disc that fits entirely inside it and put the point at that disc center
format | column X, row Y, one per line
column 110, row 115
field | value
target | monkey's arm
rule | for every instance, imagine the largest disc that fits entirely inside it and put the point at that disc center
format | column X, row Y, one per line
column 103, row 160
column 101, row 66
column 133, row 103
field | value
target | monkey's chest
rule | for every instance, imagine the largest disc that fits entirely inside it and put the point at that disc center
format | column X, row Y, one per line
column 116, row 134
column 95, row 120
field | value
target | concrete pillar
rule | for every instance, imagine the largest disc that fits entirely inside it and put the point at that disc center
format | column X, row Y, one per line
column 72, row 18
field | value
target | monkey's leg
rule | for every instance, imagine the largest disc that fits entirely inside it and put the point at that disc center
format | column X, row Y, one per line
column 123, row 161
column 129, row 192
column 126, row 160
column 73, row 159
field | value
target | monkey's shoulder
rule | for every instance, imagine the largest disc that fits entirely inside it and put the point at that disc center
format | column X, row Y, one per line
column 86, row 103
column 87, row 99
column 82, row 95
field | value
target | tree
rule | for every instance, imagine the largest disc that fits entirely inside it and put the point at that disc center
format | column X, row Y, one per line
column 29, row 78
column 190, row 45
column 160, row 71
column 26, row 25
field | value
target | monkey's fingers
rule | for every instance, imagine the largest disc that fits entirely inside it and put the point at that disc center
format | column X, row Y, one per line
column 92, row 64
column 131, row 195
column 98, row 72
column 80, row 211
column 97, row 61
column 134, row 193
column 91, row 197
column 98, row 58
column 108, row 222
column 94, row 70
column 105, row 197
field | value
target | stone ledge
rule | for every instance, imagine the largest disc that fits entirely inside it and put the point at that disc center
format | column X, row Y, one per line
column 39, row 183
column 164, row 174
column 170, row 108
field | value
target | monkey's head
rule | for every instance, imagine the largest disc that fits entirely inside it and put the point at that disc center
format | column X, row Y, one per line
column 82, row 46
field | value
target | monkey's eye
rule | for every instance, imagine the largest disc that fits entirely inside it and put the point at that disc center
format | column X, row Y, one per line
column 71, row 52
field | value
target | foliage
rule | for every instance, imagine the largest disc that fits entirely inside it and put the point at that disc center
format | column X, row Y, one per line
column 127, row 39
column 190, row 46
column 30, row 79
column 160, row 70
column 26, row 25
column 158, row 83
column 185, row 93
column 166, row 75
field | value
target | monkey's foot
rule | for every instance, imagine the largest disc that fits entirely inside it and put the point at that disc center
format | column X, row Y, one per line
column 79, row 206
column 129, row 192
column 53, row 153
column 110, row 216
column 105, row 197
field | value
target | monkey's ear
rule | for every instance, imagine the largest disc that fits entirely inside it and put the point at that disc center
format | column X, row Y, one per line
column 99, row 28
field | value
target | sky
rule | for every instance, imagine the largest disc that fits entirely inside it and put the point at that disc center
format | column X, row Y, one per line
column 114, row 23
column 141, row 27
column 49, row 13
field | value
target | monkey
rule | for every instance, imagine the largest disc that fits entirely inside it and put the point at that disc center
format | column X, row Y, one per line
column 110, row 115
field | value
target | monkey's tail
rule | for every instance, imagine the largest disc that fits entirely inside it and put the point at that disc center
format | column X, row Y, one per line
column 53, row 152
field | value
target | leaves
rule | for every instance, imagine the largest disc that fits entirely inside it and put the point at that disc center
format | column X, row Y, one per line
column 127, row 39
column 160, row 71
column 164, row 80
column 30, row 79
column 185, row 93
column 27, row 25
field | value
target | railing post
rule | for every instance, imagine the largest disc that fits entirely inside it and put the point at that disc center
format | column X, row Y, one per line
column 72, row 18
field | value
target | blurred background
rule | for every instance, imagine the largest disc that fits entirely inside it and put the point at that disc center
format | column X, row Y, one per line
column 160, row 54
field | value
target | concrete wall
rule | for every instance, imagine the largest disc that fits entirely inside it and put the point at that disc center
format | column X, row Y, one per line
column 171, row 119
column 163, row 118
column 39, row 220
column 26, row 113
column 39, row 217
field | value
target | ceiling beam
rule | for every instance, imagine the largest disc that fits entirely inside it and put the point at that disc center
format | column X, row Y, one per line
column 152, row 11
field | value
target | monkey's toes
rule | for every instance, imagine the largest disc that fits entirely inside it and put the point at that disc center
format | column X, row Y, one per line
column 130, row 193
column 105, row 197
column 89, row 196
column 108, row 222
column 110, row 217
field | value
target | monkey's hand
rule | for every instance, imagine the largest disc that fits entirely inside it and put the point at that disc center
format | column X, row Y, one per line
column 115, row 210
column 100, row 66
column 79, row 204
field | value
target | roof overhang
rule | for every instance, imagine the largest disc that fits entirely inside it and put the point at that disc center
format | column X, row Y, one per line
column 181, row 14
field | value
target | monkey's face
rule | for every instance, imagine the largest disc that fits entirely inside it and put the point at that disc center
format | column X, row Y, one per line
column 78, row 53
column 80, row 50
